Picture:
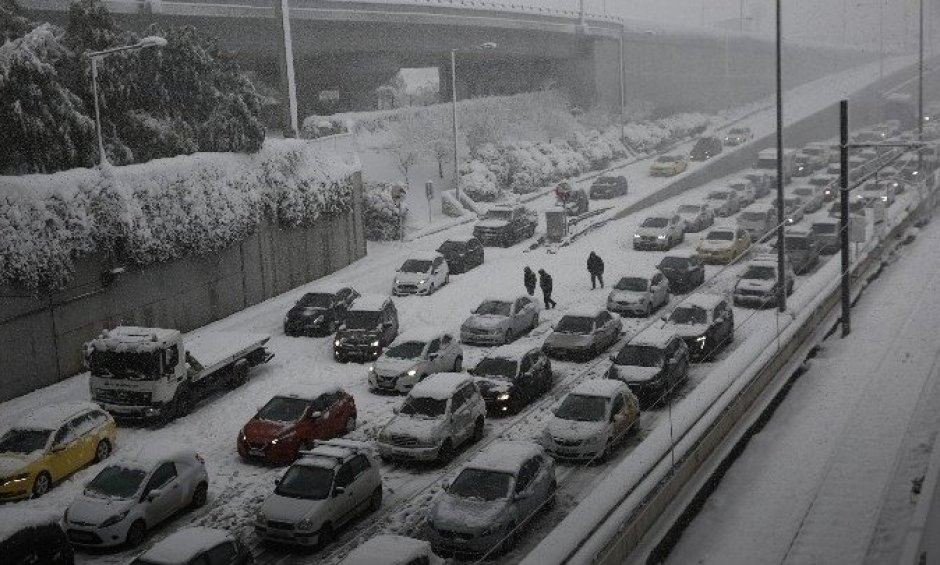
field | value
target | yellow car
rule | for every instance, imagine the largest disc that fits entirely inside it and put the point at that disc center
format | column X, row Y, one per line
column 669, row 165
column 50, row 444
column 723, row 245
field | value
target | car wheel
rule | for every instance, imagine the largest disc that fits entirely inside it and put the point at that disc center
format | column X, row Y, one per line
column 350, row 426
column 477, row 430
column 326, row 535
column 648, row 311
column 447, row 278
column 446, row 452
column 458, row 364
column 509, row 540
column 136, row 534
column 102, row 451
column 42, row 484
column 608, row 450
column 431, row 289
column 375, row 501
column 508, row 337
column 200, row 495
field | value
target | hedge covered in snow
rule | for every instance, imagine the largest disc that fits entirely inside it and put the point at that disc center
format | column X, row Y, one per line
column 380, row 214
column 163, row 210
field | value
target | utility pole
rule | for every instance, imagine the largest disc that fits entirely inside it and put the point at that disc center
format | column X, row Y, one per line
column 781, row 240
column 622, row 95
column 285, row 63
column 844, row 213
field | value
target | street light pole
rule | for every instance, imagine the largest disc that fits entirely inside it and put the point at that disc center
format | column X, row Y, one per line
column 781, row 240
column 622, row 94
column 453, row 93
column 149, row 41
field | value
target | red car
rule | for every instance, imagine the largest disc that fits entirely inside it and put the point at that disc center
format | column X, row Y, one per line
column 291, row 422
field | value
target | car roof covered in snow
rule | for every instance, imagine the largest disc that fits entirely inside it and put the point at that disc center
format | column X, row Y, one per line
column 654, row 336
column 422, row 334
column 51, row 417
column 328, row 454
column 764, row 260
column 505, row 456
column 760, row 207
column 147, row 456
column 183, row 545
column 134, row 339
column 598, row 387
column 703, row 300
column 719, row 230
column 514, row 350
column 370, row 303
column 388, row 549
column 16, row 518
column 583, row 312
column 440, row 386
column 464, row 239
column 641, row 271
column 681, row 254
column 423, row 256
column 719, row 191
column 827, row 221
column 308, row 391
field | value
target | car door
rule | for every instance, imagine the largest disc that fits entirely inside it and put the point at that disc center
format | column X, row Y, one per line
column 524, row 383
column 162, row 495
column 83, row 441
column 461, row 417
column 65, row 452
column 344, row 494
column 525, row 500
column 724, row 317
column 660, row 288
column 225, row 553
column 618, row 417
column 435, row 362
column 448, row 352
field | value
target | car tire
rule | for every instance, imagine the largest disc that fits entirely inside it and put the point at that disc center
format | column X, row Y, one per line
column 446, row 452
column 509, row 540
column 447, row 278
column 42, row 484
column 458, row 364
column 350, row 426
column 102, row 451
column 136, row 534
column 375, row 501
column 478, row 430
column 326, row 535
column 508, row 337
column 200, row 496
column 648, row 311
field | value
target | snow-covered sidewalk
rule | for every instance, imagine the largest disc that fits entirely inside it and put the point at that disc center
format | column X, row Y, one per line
column 828, row 479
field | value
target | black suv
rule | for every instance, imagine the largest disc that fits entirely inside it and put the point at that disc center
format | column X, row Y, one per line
column 684, row 271
column 705, row 148
column 654, row 364
column 705, row 322
column 510, row 378
column 608, row 187
column 319, row 313
column 36, row 541
column 462, row 254
column 369, row 327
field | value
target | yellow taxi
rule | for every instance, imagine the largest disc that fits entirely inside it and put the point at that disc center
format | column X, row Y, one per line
column 50, row 444
column 723, row 245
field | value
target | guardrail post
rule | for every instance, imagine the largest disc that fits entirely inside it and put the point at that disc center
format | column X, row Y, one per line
column 844, row 213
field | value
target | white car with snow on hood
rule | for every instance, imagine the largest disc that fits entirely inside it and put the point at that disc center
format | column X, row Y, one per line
column 591, row 418
column 390, row 549
column 583, row 334
column 440, row 413
column 498, row 321
column 421, row 275
column 492, row 498
column 757, row 286
column 659, row 232
column 653, row 364
column 135, row 493
column 197, row 546
column 321, row 492
column 412, row 357
column 639, row 293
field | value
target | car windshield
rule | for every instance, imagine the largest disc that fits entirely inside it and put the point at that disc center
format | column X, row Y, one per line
column 406, row 350
column 24, row 441
column 455, row 246
column 424, row 407
column 717, row 195
column 582, row 408
column 283, row 409
column 115, row 481
column 720, row 235
column 738, row 131
column 689, row 315
column 316, row 300
column 493, row 308
column 363, row 319
column 606, row 180
column 824, row 228
column 753, row 216
column 635, row 284
column 575, row 325
column 666, row 159
column 738, row 186
column 499, row 215
column 481, row 484
column 640, row 356
column 796, row 243
column 416, row 266
column 496, row 367
column 689, row 209
column 674, row 263
column 306, row 481
column 124, row 364
column 820, row 181
column 760, row 272
column 655, row 223
column 803, row 191
column 792, row 202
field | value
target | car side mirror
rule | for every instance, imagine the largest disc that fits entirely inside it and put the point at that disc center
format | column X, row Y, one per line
column 315, row 414
column 520, row 495
column 613, row 357
column 445, row 485
column 663, row 318
column 396, row 410
column 154, row 494
column 338, row 491
column 58, row 448
column 277, row 481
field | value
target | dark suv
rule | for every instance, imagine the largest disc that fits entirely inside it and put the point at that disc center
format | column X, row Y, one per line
column 319, row 313
column 608, row 187
column 510, row 378
column 705, row 322
column 654, row 364
column 369, row 326
column 705, row 148
column 685, row 271
column 37, row 539
column 462, row 254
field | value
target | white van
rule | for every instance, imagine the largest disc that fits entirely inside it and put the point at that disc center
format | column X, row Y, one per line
column 758, row 219
column 767, row 159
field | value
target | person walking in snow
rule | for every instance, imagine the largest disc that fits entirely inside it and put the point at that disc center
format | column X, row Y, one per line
column 528, row 279
column 545, row 282
column 595, row 266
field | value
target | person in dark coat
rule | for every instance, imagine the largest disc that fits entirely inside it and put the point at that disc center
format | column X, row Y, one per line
column 545, row 282
column 528, row 279
column 595, row 266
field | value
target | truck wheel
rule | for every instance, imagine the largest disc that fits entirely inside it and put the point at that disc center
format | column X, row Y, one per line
column 239, row 374
column 184, row 401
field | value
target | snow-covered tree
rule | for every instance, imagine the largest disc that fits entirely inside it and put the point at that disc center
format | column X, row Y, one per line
column 380, row 213
column 409, row 139
column 13, row 23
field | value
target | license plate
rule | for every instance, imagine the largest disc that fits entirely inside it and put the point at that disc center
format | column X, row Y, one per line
column 256, row 452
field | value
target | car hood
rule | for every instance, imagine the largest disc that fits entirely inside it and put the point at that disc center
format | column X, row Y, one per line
column 662, row 165
column 755, row 284
column 457, row 513
column 689, row 216
column 265, row 430
column 306, row 312
column 412, row 277
column 492, row 223
column 418, row 428
column 392, row 366
column 573, row 429
column 292, row 510
column 634, row 374
column 93, row 510
column 627, row 296
column 485, row 321
column 709, row 245
column 493, row 386
column 689, row 330
column 358, row 334
column 556, row 339
column 650, row 231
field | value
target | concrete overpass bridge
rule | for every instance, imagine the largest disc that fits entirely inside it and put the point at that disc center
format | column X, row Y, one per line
column 350, row 47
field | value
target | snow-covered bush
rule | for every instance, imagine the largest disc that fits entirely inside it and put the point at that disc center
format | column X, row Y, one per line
column 380, row 213
column 163, row 210
column 479, row 182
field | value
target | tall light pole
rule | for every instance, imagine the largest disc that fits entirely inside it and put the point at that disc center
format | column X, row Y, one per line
column 622, row 93
column 781, row 240
column 150, row 41
column 453, row 92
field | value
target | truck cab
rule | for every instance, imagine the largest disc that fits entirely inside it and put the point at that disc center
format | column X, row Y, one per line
column 505, row 225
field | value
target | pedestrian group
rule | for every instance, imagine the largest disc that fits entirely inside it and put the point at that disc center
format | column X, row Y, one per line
column 595, row 267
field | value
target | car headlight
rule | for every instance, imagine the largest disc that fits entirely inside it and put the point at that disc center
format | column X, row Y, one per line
column 371, row 369
column 489, row 531
column 395, row 281
column 305, row 524
column 14, row 479
column 412, row 372
column 422, row 281
column 242, row 436
column 503, row 397
column 636, row 236
column 884, row 198
column 114, row 519
column 660, row 237
column 284, row 437
column 701, row 341
column 318, row 320
column 375, row 343
column 338, row 342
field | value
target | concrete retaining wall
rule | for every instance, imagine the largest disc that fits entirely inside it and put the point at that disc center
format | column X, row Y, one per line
column 41, row 338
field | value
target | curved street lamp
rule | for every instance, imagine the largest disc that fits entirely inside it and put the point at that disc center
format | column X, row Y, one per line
column 149, row 41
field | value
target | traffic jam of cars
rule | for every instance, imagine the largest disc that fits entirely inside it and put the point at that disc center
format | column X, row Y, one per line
column 444, row 389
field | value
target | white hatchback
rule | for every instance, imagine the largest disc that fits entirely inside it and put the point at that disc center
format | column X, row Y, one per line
column 412, row 357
